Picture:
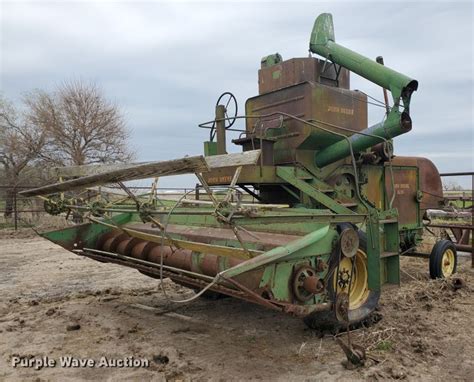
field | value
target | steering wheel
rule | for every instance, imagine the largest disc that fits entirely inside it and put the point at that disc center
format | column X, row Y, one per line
column 228, row 100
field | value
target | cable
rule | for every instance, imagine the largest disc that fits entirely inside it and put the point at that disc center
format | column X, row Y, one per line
column 372, row 98
column 163, row 231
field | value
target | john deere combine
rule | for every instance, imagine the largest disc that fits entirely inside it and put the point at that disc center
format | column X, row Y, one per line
column 335, row 210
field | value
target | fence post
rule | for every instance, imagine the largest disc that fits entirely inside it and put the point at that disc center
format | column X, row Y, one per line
column 196, row 197
column 15, row 210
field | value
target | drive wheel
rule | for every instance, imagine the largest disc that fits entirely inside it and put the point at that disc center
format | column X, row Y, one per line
column 350, row 305
column 361, row 301
column 443, row 259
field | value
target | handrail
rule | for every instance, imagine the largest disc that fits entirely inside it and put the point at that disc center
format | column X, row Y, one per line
column 344, row 137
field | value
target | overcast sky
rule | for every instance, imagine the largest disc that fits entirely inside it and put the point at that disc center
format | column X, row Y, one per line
column 165, row 63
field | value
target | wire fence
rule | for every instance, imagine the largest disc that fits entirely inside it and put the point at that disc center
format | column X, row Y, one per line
column 460, row 198
column 465, row 200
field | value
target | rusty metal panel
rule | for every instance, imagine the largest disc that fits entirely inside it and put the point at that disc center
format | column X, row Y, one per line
column 311, row 101
column 430, row 184
column 298, row 70
column 325, row 106
column 340, row 107
column 406, row 187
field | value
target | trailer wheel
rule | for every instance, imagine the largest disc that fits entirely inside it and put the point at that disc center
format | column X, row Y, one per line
column 362, row 300
column 443, row 259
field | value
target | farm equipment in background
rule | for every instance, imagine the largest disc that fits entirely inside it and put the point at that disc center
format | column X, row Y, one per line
column 336, row 209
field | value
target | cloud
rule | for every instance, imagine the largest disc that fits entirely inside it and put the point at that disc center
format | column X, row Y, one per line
column 165, row 63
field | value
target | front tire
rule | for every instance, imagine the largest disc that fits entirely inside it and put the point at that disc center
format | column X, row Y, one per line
column 443, row 259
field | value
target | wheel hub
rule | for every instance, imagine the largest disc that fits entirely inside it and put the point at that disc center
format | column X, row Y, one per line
column 352, row 279
column 344, row 278
column 448, row 263
column 306, row 283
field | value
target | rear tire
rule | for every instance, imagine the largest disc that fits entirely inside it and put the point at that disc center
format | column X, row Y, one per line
column 443, row 259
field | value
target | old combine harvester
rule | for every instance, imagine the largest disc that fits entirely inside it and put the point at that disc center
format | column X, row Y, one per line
column 336, row 208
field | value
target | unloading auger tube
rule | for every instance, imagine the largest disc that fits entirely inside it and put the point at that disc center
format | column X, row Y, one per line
column 397, row 122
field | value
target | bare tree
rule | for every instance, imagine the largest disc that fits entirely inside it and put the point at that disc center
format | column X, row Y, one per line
column 83, row 126
column 20, row 144
column 73, row 125
column 451, row 186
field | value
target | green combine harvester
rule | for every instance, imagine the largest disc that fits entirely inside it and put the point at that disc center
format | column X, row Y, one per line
column 336, row 209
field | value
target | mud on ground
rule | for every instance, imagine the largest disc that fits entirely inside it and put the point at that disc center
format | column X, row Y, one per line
column 55, row 304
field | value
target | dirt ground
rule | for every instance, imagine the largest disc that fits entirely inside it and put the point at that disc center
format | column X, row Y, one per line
column 55, row 304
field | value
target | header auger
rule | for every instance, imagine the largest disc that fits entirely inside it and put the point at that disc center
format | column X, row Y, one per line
column 335, row 210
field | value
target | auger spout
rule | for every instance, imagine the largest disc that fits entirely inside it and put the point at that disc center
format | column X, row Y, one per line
column 398, row 122
column 324, row 43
